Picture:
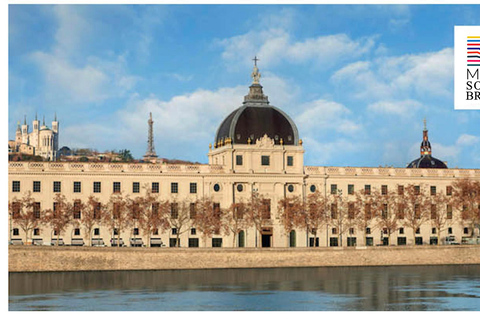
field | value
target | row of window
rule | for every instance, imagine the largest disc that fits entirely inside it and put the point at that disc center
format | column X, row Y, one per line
column 97, row 187
column 351, row 231
column 265, row 160
column 384, row 189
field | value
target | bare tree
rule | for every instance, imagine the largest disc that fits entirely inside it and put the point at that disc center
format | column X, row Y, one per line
column 209, row 218
column 27, row 214
column 178, row 218
column 367, row 205
column 154, row 214
column 387, row 219
column 235, row 220
column 258, row 213
column 116, row 216
column 288, row 209
column 314, row 214
column 60, row 217
column 339, row 218
column 91, row 215
column 439, row 212
column 415, row 208
column 466, row 195
column 135, row 213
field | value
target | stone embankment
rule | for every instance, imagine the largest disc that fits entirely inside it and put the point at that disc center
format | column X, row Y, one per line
column 34, row 259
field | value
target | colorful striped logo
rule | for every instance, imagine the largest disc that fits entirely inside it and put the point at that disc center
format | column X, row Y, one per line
column 473, row 51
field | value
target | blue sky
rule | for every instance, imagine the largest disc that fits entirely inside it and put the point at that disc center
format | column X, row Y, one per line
column 357, row 80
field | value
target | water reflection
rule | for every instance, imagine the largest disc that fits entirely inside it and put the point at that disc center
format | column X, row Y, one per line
column 346, row 288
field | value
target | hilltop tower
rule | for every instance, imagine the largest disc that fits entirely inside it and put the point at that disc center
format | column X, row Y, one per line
column 150, row 155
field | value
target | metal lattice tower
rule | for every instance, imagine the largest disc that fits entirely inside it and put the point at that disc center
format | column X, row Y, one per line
column 150, row 148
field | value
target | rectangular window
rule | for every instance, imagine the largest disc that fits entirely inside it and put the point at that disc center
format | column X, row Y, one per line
column 351, row 189
column 417, row 231
column 433, row 190
column 36, row 186
column 217, row 242
column 416, row 211
column 36, row 210
column 155, row 208
column 193, row 187
column 36, row 232
column 368, row 211
column 173, row 242
column 434, row 230
column 401, row 231
column 174, row 187
column 385, row 211
column 115, row 231
column 15, row 186
column 368, row 189
column 450, row 230
column 369, row 241
column 77, row 214
column 333, row 210
column 97, row 210
column 265, row 160
column 136, row 187
column 155, row 232
column 351, row 242
column 76, row 232
column 97, row 187
column 16, row 210
column 96, row 231
column 239, row 160
column 135, row 232
column 351, row 230
column 368, row 231
column 433, row 211
column 193, row 231
column 155, row 187
column 290, row 161
column 465, row 230
column 193, row 211
column 418, row 241
column 351, row 211
column 174, row 231
column 333, row 189
column 449, row 190
column 433, row 240
column 401, row 241
column 266, row 209
column 193, row 242
column 417, row 190
column 400, row 190
column 384, row 189
column 334, row 230
column 401, row 211
column 333, row 242
column 116, row 187
column 16, row 232
column 77, row 186
column 57, row 186
column 174, row 210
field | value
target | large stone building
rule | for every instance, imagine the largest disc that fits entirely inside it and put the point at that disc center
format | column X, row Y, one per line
column 41, row 141
column 257, row 148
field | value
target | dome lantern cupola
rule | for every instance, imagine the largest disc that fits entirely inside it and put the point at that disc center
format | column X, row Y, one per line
column 426, row 160
column 256, row 118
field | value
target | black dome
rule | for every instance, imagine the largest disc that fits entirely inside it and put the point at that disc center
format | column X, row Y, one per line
column 255, row 119
column 427, row 161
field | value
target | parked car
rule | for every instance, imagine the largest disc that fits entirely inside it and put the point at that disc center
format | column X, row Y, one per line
column 450, row 240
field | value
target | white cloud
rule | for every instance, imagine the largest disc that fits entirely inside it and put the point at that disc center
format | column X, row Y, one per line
column 275, row 45
column 392, row 77
column 468, row 140
column 404, row 108
column 323, row 115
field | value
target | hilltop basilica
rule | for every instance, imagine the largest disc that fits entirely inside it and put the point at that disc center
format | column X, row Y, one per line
column 257, row 148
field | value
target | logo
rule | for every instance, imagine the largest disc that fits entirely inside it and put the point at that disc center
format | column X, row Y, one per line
column 467, row 68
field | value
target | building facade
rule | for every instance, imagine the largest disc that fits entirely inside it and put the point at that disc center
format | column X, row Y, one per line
column 257, row 149
column 41, row 141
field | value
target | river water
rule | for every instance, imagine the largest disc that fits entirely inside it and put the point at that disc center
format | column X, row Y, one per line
column 342, row 288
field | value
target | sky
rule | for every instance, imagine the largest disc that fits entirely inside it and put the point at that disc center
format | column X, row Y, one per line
column 358, row 80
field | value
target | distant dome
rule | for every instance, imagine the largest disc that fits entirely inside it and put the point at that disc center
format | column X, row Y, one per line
column 255, row 119
column 426, row 160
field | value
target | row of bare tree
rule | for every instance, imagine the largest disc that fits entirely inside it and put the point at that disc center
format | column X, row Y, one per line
column 406, row 207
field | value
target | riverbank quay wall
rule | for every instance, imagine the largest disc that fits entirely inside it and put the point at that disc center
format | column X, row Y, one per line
column 41, row 259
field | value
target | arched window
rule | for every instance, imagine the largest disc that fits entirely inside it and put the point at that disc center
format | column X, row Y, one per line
column 293, row 238
column 241, row 239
